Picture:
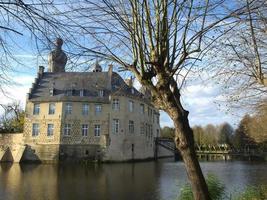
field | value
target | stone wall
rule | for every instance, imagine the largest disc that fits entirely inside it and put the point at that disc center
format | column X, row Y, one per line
column 11, row 147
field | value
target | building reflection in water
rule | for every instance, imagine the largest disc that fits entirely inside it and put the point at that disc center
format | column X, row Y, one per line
column 130, row 181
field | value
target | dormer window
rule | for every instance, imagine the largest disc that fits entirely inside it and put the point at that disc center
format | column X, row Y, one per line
column 101, row 93
column 82, row 93
column 69, row 92
column 51, row 91
column 132, row 90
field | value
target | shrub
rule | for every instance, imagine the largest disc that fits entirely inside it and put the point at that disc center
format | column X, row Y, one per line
column 215, row 186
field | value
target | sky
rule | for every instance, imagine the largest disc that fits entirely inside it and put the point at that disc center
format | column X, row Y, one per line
column 199, row 98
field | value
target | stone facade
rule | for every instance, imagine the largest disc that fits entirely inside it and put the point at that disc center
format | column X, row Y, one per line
column 86, row 116
column 100, row 118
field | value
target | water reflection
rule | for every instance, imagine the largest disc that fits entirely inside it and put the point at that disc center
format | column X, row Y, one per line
column 148, row 180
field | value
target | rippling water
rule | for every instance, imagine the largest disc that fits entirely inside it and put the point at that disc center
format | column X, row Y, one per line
column 130, row 181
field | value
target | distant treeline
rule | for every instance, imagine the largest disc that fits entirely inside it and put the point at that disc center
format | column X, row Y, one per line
column 251, row 131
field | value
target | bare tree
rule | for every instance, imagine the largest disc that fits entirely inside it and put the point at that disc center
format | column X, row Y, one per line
column 22, row 21
column 160, row 43
column 242, row 58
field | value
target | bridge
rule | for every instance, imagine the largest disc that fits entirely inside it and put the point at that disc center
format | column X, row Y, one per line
column 211, row 152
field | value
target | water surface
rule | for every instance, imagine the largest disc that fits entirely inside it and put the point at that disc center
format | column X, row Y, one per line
column 160, row 180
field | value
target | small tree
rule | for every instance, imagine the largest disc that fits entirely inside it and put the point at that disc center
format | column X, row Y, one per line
column 12, row 119
column 225, row 133
column 240, row 137
column 167, row 132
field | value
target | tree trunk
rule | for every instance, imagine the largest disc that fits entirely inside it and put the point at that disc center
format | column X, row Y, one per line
column 184, row 141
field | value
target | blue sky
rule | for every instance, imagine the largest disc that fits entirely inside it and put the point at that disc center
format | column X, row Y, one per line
column 200, row 98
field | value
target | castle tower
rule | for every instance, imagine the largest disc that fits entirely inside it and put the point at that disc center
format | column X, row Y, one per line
column 57, row 59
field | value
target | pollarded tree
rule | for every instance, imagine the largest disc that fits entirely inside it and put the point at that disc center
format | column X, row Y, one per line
column 160, row 43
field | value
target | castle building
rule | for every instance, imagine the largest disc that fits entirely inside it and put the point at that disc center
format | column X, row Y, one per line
column 87, row 115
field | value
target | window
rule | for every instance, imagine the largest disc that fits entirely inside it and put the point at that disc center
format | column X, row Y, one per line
column 132, row 90
column 101, row 93
column 51, row 91
column 115, row 104
column 97, row 130
column 147, row 130
column 50, row 129
column 52, row 108
column 131, row 106
column 84, row 129
column 85, row 110
column 142, row 128
column 69, row 92
column 157, row 132
column 67, row 128
column 115, row 126
column 68, row 108
column 82, row 93
column 35, row 129
column 131, row 126
column 98, row 109
column 142, row 108
column 151, row 132
column 157, row 118
column 36, row 109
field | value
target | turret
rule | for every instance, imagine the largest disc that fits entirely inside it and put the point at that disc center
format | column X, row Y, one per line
column 57, row 59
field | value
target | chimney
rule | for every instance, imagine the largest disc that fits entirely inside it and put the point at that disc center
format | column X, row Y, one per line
column 110, row 70
column 129, row 81
column 41, row 70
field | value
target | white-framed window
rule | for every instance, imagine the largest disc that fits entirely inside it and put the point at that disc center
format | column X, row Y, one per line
column 52, row 109
column 97, row 130
column 115, row 126
column 35, row 129
column 85, row 130
column 131, row 106
column 50, row 129
column 142, row 108
column 36, row 109
column 68, row 108
column 85, row 109
column 101, row 93
column 131, row 126
column 67, row 129
column 142, row 128
column 98, row 109
column 115, row 104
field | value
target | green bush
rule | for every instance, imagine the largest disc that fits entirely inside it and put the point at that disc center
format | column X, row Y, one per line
column 216, row 189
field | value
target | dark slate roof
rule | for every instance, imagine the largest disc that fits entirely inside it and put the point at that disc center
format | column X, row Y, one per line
column 67, row 87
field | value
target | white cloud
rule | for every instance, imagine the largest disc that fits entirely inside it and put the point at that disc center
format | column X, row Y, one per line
column 18, row 90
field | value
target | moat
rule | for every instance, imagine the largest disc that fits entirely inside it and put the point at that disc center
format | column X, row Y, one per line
column 160, row 180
